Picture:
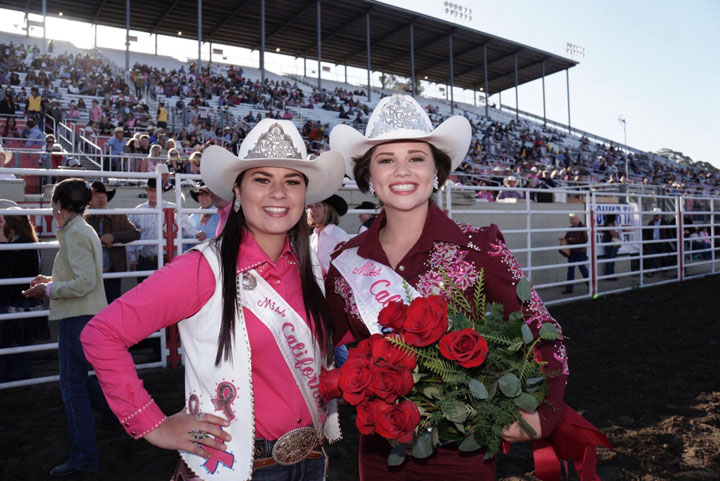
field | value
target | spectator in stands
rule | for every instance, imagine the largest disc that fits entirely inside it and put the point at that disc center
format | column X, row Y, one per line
column 34, row 135
column 144, row 144
column 73, row 112
column 174, row 162
column 483, row 194
column 7, row 105
column 577, row 254
column 162, row 116
column 95, row 113
column 76, row 294
column 653, row 241
column 206, row 225
column 145, row 257
column 11, row 130
column 511, row 182
column 56, row 113
column 17, row 229
column 111, row 229
column 105, row 127
column 193, row 164
column 366, row 218
column 35, row 107
column 152, row 159
column 116, row 145
column 324, row 217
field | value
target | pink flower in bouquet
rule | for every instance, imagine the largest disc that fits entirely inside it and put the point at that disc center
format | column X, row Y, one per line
column 399, row 422
column 465, row 346
column 426, row 321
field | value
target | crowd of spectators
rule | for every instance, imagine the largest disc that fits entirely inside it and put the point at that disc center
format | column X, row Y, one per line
column 512, row 154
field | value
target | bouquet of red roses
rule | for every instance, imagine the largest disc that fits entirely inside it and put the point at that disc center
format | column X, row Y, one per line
column 451, row 370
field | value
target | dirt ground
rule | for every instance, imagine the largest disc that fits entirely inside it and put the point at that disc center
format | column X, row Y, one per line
column 644, row 369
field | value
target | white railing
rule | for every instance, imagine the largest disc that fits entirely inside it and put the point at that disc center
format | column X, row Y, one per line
column 532, row 231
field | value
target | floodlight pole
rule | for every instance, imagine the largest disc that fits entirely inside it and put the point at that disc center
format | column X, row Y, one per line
column 567, row 77
column 452, row 96
column 44, row 12
column 367, row 43
column 127, row 36
column 319, row 46
column 412, row 60
column 487, row 91
column 199, row 15
column 262, row 42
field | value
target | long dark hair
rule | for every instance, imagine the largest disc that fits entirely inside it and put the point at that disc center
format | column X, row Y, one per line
column 316, row 308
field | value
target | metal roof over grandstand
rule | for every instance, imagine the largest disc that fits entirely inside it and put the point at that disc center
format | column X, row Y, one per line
column 292, row 27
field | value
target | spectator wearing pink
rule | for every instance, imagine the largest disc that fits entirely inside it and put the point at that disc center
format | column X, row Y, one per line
column 96, row 112
column 254, row 290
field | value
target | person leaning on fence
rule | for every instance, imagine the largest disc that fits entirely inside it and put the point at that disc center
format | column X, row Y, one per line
column 112, row 229
column 17, row 229
column 652, row 241
column 576, row 254
column 610, row 236
column 76, row 294
column 256, row 292
column 116, row 147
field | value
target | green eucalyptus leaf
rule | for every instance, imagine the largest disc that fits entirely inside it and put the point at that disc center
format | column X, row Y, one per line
column 509, row 385
column 515, row 346
column 432, row 392
column 435, row 436
column 549, row 331
column 423, row 446
column 469, row 444
column 456, row 413
column 532, row 389
column 526, row 402
column 523, row 290
column 531, row 381
column 460, row 427
column 397, row 455
column 527, row 334
column 478, row 389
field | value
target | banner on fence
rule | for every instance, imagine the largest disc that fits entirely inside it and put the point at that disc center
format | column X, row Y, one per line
column 629, row 225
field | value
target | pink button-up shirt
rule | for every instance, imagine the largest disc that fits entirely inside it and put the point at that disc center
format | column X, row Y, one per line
column 175, row 292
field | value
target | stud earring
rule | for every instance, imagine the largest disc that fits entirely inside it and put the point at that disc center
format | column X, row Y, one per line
column 371, row 187
column 436, row 183
column 236, row 205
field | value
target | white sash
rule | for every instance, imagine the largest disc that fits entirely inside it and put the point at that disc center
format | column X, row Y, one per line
column 374, row 285
column 298, row 347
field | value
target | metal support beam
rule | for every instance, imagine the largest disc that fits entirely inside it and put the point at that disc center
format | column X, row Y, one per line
column 418, row 49
column 329, row 35
column 380, row 40
column 567, row 76
column 210, row 59
column 199, row 30
column 95, row 40
column 543, row 90
column 517, row 98
column 412, row 60
column 44, row 13
column 452, row 80
column 262, row 42
column 485, row 76
column 367, row 44
column 240, row 8
column 346, row 73
column 304, row 66
column 159, row 21
column 156, row 40
column 300, row 14
column 474, row 96
column 127, row 36
column 319, row 45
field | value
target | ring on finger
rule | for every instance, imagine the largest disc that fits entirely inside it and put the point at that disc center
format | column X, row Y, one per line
column 199, row 416
column 197, row 435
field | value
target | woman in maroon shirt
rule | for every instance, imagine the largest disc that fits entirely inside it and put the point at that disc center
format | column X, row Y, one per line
column 402, row 161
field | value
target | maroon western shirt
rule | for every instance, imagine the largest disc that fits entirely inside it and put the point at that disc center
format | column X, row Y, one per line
column 462, row 251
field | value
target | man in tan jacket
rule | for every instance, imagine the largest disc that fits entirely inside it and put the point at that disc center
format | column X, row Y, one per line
column 112, row 229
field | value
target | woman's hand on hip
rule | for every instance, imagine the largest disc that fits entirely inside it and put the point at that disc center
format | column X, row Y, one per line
column 188, row 432
column 515, row 433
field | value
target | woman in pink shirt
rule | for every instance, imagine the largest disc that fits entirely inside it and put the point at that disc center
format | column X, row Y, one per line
column 256, row 333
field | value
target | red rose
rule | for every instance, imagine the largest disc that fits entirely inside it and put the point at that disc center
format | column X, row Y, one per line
column 466, row 346
column 367, row 413
column 426, row 320
column 329, row 388
column 391, row 354
column 364, row 348
column 398, row 422
column 393, row 315
column 355, row 379
column 390, row 382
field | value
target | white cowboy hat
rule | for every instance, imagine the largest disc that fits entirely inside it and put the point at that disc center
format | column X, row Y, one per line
column 272, row 143
column 400, row 117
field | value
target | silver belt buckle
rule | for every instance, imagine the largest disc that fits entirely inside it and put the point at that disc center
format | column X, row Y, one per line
column 294, row 446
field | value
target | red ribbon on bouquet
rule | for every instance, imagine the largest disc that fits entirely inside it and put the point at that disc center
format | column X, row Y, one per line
column 575, row 440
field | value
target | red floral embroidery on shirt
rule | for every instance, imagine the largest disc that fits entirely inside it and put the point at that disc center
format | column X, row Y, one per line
column 343, row 289
column 499, row 249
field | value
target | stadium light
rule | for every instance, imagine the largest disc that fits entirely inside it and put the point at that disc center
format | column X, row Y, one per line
column 575, row 50
column 622, row 120
column 457, row 11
